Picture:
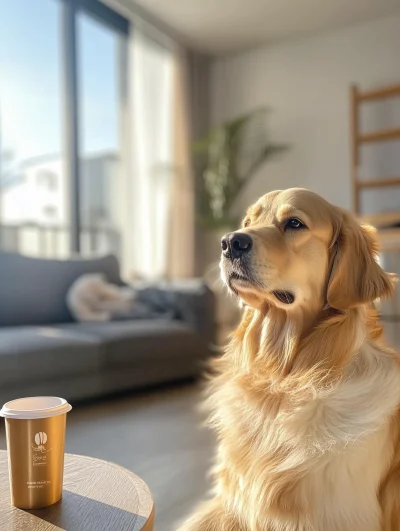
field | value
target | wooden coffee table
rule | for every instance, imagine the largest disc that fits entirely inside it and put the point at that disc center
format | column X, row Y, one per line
column 97, row 496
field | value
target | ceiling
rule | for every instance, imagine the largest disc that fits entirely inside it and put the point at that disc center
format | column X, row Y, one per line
column 226, row 26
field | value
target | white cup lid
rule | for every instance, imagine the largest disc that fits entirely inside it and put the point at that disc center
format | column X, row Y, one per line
column 35, row 407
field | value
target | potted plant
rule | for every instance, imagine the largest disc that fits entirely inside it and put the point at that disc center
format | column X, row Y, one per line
column 231, row 154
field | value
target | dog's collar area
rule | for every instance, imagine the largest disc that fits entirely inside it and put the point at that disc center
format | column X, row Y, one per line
column 285, row 297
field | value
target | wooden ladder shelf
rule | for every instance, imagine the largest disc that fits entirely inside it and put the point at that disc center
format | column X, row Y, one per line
column 358, row 138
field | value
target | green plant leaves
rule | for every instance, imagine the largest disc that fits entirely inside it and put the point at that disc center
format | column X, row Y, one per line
column 233, row 152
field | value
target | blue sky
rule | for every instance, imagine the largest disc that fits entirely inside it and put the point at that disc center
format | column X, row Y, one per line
column 31, row 104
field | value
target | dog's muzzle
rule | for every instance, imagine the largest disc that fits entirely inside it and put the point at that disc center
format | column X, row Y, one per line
column 236, row 244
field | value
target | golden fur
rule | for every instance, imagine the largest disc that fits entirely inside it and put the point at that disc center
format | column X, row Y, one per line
column 306, row 398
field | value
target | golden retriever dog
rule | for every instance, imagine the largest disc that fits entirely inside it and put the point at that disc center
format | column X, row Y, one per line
column 306, row 398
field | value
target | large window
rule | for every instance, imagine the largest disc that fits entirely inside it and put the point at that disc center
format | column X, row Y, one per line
column 102, row 179
column 62, row 99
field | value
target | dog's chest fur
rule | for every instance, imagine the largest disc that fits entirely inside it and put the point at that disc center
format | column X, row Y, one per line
column 311, row 459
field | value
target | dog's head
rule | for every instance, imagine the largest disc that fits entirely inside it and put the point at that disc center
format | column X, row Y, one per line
column 295, row 249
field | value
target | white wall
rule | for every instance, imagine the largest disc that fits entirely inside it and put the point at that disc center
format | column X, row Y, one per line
column 306, row 85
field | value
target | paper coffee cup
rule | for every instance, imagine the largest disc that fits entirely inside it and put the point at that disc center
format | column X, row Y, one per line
column 35, row 429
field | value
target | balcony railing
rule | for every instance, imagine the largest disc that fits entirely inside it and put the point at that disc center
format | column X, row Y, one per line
column 53, row 241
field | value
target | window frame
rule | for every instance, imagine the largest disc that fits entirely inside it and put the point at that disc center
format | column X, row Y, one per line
column 70, row 88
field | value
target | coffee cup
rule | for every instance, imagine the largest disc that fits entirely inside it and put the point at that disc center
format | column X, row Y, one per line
column 35, row 429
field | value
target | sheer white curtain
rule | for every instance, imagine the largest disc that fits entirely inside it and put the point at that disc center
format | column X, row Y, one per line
column 152, row 154
column 161, row 195
column 181, row 236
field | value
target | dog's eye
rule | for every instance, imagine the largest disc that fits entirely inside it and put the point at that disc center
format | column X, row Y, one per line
column 294, row 224
column 246, row 222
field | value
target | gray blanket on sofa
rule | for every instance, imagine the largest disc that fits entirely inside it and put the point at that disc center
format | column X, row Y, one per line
column 153, row 303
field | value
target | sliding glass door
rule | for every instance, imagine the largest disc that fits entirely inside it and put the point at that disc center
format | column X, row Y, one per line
column 62, row 102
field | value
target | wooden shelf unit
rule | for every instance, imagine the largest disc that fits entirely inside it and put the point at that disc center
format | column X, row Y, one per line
column 380, row 94
column 387, row 223
column 358, row 138
column 379, row 136
column 379, row 183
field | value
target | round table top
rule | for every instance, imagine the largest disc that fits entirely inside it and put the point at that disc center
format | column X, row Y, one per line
column 97, row 496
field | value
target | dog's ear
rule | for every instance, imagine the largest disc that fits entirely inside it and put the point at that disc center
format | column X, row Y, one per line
column 356, row 277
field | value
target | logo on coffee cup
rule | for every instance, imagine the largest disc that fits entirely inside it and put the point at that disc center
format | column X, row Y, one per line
column 40, row 451
column 41, row 438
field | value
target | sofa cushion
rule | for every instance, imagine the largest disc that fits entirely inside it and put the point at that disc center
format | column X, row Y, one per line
column 127, row 342
column 41, row 353
column 33, row 290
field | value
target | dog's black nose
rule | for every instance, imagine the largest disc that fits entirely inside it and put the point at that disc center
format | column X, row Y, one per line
column 235, row 244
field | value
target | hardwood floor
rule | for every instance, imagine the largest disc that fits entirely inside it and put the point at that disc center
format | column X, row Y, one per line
column 158, row 435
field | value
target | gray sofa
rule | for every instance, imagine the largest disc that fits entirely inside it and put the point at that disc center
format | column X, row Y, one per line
column 44, row 352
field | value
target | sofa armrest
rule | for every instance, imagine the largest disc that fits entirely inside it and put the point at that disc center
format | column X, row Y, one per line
column 196, row 303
